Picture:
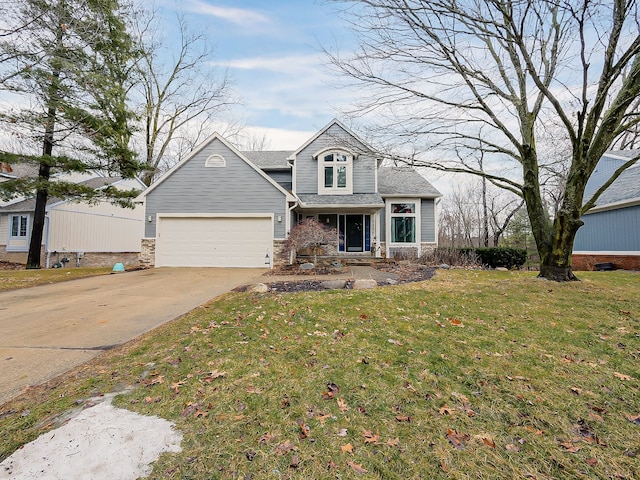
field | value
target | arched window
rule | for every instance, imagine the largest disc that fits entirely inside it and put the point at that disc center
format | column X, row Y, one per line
column 335, row 172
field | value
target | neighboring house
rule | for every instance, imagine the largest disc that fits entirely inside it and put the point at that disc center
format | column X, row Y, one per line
column 611, row 230
column 225, row 208
column 86, row 235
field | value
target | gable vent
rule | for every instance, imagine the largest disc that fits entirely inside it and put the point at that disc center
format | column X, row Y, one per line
column 215, row 161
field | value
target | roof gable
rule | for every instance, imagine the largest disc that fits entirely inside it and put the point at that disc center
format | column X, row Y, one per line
column 194, row 153
column 323, row 131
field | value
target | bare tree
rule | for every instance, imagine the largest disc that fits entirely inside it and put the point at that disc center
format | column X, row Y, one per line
column 179, row 94
column 476, row 213
column 493, row 75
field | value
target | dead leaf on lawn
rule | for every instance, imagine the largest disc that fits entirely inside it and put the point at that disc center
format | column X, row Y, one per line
column 348, row 448
column 285, row 447
column 622, row 376
column 322, row 417
column 342, row 432
column 633, row 419
column 576, row 390
column 570, row 447
column 213, row 375
column 357, row 467
column 267, row 438
column 458, row 440
column 455, row 322
column 255, row 390
column 403, row 418
column 592, row 461
column 394, row 342
column 488, row 442
column 305, row 431
column 331, row 392
column 512, row 448
column 342, row 405
column 370, row 437
column 392, row 442
column 445, row 410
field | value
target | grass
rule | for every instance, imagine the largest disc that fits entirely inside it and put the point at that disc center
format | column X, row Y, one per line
column 473, row 374
column 13, row 279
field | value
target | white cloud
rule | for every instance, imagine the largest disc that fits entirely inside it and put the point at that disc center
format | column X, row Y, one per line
column 279, row 138
column 285, row 64
column 243, row 17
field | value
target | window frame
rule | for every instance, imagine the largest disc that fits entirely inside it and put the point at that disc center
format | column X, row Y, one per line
column 334, row 165
column 22, row 227
column 415, row 214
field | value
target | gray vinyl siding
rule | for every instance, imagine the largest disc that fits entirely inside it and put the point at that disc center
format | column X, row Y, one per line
column 236, row 188
column 610, row 231
column 307, row 167
column 283, row 178
column 427, row 220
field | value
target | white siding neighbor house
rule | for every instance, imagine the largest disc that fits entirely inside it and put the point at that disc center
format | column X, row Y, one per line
column 85, row 235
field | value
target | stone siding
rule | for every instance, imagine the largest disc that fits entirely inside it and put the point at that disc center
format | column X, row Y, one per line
column 147, row 256
column 588, row 262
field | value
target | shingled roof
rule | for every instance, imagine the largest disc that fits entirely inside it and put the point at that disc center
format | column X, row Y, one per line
column 270, row 159
column 397, row 181
column 29, row 204
column 625, row 188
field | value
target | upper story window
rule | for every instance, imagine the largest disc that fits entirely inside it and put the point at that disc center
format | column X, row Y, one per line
column 335, row 173
column 19, row 226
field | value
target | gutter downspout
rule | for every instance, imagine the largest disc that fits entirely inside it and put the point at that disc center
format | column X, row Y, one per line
column 288, row 226
column 46, row 240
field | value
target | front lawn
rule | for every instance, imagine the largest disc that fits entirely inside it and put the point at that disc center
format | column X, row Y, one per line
column 12, row 279
column 473, row 374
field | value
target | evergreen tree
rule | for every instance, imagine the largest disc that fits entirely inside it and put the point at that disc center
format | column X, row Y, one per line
column 65, row 66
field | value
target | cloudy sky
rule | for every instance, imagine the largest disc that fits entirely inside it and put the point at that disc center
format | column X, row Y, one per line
column 272, row 51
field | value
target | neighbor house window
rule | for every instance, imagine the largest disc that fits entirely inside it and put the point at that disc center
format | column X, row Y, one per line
column 19, row 225
column 335, row 173
column 403, row 223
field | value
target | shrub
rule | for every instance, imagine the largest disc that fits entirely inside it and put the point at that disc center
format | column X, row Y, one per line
column 309, row 234
column 502, row 257
column 459, row 257
column 467, row 257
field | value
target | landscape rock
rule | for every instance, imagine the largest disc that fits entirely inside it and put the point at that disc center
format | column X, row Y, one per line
column 502, row 269
column 260, row 288
column 364, row 284
column 334, row 284
column 444, row 266
column 307, row 266
column 391, row 281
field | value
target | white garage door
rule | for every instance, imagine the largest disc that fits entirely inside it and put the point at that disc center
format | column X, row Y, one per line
column 214, row 242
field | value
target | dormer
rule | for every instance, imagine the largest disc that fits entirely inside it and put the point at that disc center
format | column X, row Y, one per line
column 335, row 171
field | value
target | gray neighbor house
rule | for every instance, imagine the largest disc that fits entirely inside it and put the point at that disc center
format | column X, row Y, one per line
column 611, row 230
column 220, row 207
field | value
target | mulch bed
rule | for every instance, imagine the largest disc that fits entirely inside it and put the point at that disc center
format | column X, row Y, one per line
column 406, row 273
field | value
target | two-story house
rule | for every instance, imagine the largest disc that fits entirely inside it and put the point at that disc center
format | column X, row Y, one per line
column 221, row 207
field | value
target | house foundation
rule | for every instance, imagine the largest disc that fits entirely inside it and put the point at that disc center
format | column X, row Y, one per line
column 587, row 262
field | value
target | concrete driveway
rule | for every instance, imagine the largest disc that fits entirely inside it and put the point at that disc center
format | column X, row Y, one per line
column 47, row 330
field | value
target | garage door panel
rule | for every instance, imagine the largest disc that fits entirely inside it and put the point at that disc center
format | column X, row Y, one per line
column 214, row 241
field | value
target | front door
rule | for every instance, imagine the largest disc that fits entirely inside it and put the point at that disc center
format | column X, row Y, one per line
column 354, row 234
